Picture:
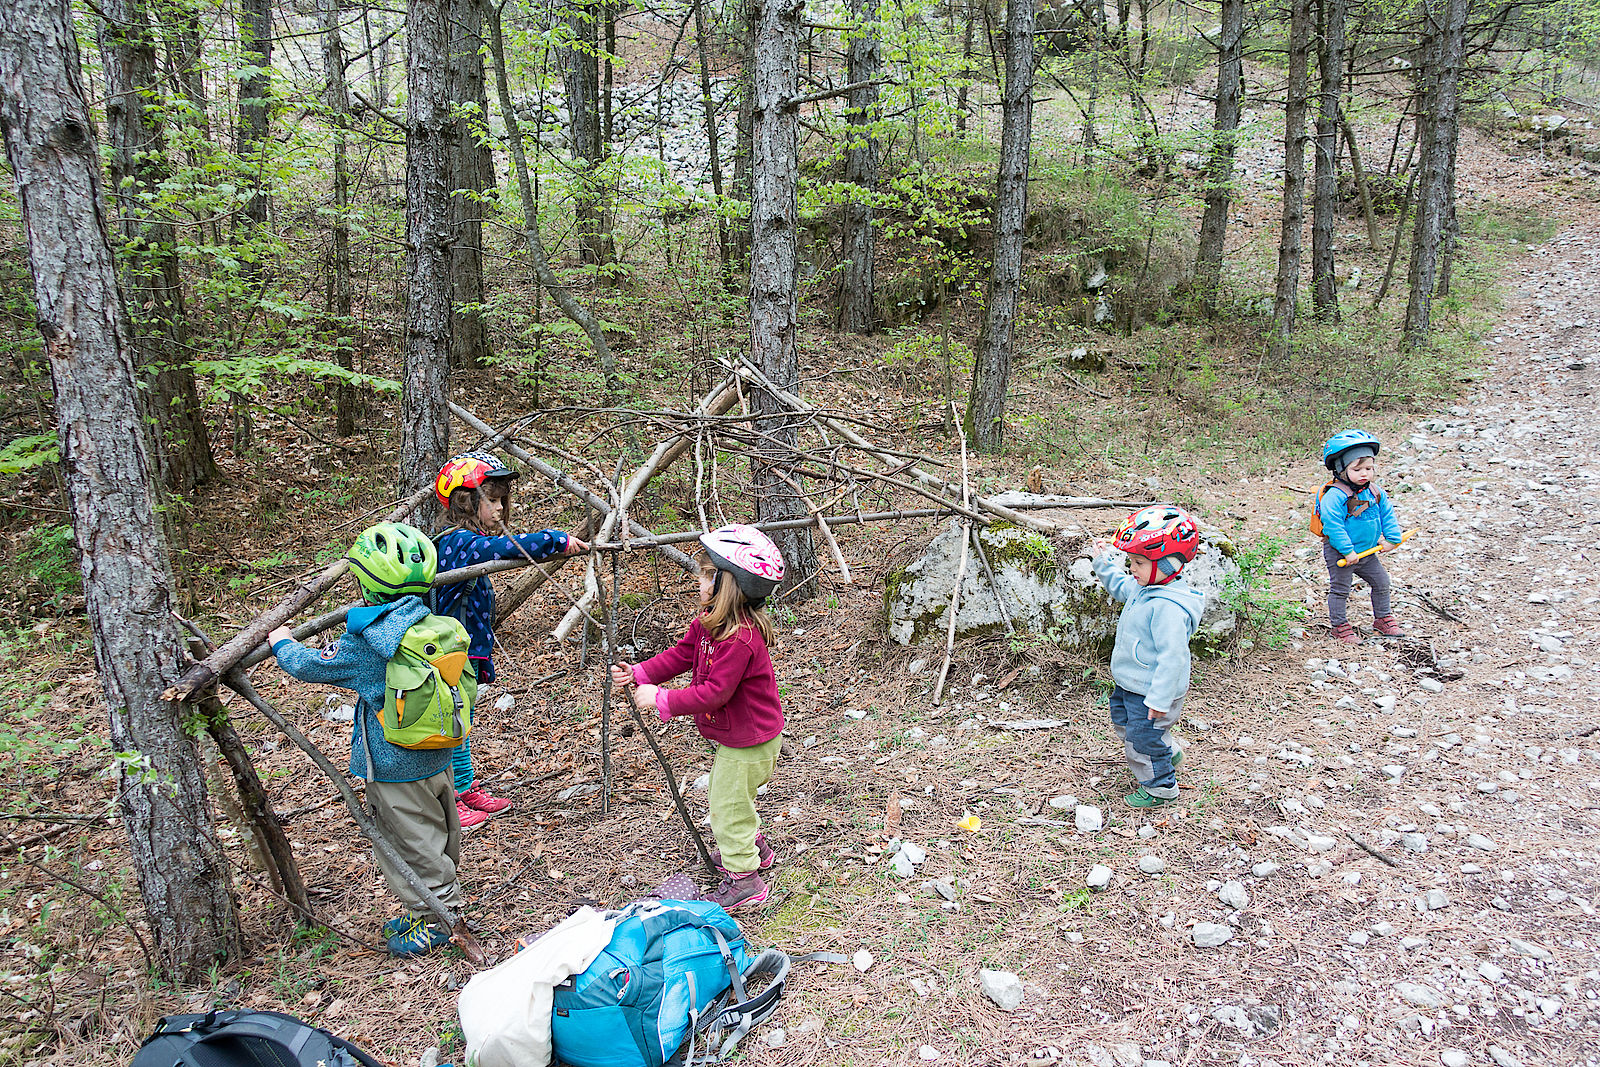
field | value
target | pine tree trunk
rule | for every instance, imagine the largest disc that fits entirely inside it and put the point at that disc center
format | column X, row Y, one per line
column 1219, row 169
column 151, row 282
column 255, row 91
column 580, row 66
column 340, row 297
column 1446, row 26
column 1294, row 180
column 991, row 368
column 864, row 61
column 708, row 106
column 127, row 579
column 1325, row 195
column 466, row 158
column 425, row 395
column 744, row 130
column 774, row 282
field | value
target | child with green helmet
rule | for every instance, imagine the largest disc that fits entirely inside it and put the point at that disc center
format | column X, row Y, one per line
column 410, row 792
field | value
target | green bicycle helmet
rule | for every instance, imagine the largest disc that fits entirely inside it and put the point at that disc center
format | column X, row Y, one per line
column 392, row 560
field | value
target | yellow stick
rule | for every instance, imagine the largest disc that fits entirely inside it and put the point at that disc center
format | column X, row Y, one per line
column 1380, row 546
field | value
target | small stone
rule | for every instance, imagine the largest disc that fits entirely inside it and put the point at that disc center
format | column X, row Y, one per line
column 702, row 783
column 1490, row 972
column 1152, row 865
column 1099, row 876
column 1233, row 895
column 1411, row 944
column 1481, row 842
column 1002, row 987
column 1454, row 1057
column 1488, row 787
column 1146, row 832
column 1435, row 899
column 916, row 666
column 1127, row 1054
column 1528, row 948
column 1385, row 702
column 928, row 1052
column 1265, row 869
column 1098, row 1056
column 1414, row 842
column 901, row 866
column 1503, row 1058
column 1211, row 935
column 1063, row 803
column 1359, row 937
column 1431, row 685
column 1088, row 819
column 776, row 1038
column 913, row 852
column 1419, row 996
column 1321, row 843
column 862, row 960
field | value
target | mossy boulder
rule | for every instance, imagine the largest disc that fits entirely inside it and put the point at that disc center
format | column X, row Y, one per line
column 1046, row 584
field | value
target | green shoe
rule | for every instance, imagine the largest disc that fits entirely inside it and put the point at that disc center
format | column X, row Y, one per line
column 1142, row 798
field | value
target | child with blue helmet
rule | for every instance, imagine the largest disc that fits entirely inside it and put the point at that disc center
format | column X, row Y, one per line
column 1354, row 515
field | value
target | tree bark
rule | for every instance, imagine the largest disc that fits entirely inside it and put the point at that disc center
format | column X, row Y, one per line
column 1287, row 293
column 1359, row 174
column 744, row 128
column 864, row 62
column 425, row 394
column 340, row 297
column 1446, row 22
column 774, row 282
column 151, row 282
column 580, row 67
column 713, row 148
column 255, row 99
column 1325, row 197
column 1219, row 168
column 991, row 368
column 470, row 173
column 127, row 580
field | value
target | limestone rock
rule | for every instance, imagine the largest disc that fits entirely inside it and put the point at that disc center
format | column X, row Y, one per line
column 1002, row 987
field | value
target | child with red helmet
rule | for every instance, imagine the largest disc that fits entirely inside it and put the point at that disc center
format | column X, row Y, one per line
column 1150, row 662
column 475, row 489
column 732, row 695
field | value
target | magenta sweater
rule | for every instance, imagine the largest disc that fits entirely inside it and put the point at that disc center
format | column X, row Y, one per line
column 733, row 692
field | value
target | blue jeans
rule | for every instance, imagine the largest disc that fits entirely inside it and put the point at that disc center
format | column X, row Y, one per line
column 1340, row 579
column 1146, row 742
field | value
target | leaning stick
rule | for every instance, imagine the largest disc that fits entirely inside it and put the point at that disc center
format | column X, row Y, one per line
column 961, row 576
column 798, row 405
column 999, row 602
column 672, row 784
column 228, row 655
column 236, row 680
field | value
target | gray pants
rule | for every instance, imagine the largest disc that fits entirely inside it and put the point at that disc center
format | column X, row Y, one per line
column 421, row 821
column 1340, row 578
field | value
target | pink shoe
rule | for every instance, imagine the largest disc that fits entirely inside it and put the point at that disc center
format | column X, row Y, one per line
column 1346, row 633
column 478, row 799
column 765, row 857
column 1388, row 626
column 738, row 891
column 470, row 820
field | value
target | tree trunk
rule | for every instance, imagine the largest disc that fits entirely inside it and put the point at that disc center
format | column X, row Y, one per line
column 1325, row 196
column 580, row 66
column 966, row 66
column 151, row 282
column 991, row 367
column 1219, row 168
column 1446, row 22
column 255, row 99
column 864, row 62
column 425, row 395
column 1294, row 180
column 1359, row 173
column 341, row 321
column 713, row 155
column 127, row 580
column 774, row 283
column 744, row 128
column 467, row 161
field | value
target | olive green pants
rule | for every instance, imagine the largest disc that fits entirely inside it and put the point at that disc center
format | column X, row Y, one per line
column 736, row 774
column 420, row 820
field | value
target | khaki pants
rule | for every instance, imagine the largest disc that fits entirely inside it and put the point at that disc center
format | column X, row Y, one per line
column 420, row 820
column 736, row 774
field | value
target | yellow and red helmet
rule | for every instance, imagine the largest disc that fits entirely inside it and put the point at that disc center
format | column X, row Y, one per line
column 468, row 471
column 1166, row 535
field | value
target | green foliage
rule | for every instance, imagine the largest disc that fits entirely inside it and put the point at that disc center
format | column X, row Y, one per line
column 50, row 560
column 1265, row 617
column 28, row 451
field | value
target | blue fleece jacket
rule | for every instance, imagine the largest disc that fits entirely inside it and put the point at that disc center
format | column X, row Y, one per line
column 1151, row 656
column 473, row 602
column 356, row 661
column 1350, row 534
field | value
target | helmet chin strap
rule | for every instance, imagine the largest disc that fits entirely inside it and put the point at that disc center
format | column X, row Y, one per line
column 1167, row 569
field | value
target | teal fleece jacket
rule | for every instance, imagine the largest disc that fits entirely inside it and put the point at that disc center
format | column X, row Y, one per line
column 1349, row 534
column 1151, row 656
column 356, row 661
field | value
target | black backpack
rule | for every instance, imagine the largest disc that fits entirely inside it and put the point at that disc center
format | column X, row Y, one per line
column 246, row 1039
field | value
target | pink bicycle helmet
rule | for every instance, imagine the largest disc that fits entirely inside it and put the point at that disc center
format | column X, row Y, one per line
column 1159, row 533
column 747, row 554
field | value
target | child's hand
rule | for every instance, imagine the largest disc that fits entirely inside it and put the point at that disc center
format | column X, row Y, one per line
column 1351, row 561
column 645, row 697
column 1099, row 547
column 621, row 675
column 1154, row 714
column 279, row 633
column 575, row 545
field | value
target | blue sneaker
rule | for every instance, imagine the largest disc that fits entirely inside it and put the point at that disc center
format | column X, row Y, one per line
column 399, row 925
column 415, row 936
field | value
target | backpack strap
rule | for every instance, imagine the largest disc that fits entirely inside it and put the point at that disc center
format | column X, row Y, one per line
column 741, row 1016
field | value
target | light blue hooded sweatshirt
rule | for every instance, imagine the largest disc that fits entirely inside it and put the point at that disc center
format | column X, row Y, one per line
column 356, row 661
column 1151, row 656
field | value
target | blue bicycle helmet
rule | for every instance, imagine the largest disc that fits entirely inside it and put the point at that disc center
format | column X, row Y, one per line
column 1347, row 446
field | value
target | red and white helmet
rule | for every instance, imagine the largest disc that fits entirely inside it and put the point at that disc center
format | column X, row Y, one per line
column 1158, row 533
column 468, row 471
column 747, row 554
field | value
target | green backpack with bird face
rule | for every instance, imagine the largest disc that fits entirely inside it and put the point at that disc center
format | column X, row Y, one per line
column 430, row 686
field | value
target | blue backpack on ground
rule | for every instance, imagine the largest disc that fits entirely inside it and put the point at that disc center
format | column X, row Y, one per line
column 245, row 1039
column 674, row 974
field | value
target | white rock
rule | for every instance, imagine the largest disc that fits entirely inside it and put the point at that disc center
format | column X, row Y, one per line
column 1002, row 987
column 1359, row 937
column 901, row 866
column 1146, row 832
column 1063, row 803
column 1414, row 842
column 913, row 851
column 1431, row 685
column 1211, row 935
column 1454, row 1057
column 1088, row 819
column 1265, row 869
column 1503, row 1058
column 1490, row 972
column 1233, row 895
column 1528, row 948
column 928, row 1052
column 1099, row 876
column 776, row 1038
column 1479, row 841
column 1321, row 843
column 1435, row 899
column 1420, row 996
column 1152, row 865
column 1411, row 944
column 862, row 960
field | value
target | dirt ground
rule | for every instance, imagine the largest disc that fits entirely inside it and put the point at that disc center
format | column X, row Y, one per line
column 1410, row 824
